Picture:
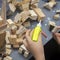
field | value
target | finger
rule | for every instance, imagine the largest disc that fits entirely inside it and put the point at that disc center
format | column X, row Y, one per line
column 57, row 34
column 28, row 36
column 58, row 40
column 44, row 34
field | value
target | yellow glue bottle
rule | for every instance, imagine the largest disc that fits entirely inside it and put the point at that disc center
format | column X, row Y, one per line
column 36, row 32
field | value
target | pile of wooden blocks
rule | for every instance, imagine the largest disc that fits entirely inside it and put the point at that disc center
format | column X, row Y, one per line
column 49, row 5
column 57, row 15
column 23, row 51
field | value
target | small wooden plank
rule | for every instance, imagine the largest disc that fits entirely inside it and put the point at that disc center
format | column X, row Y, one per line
column 39, row 12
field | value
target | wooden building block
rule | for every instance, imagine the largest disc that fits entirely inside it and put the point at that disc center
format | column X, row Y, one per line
column 57, row 11
column 51, row 25
column 21, row 18
column 10, row 22
column 20, row 50
column 34, row 6
column 39, row 13
column 13, row 39
column 13, row 29
column 9, row 1
column 33, row 15
column 26, row 24
column 34, row 1
column 1, row 20
column 8, row 46
column 24, row 51
column 7, row 58
column 6, row 38
column 24, row 6
column 16, row 46
column 24, row 15
column 26, row 54
column 21, row 31
column 17, row 18
column 56, row 17
column 8, row 51
column 50, row 5
column 11, row 9
column 19, row 41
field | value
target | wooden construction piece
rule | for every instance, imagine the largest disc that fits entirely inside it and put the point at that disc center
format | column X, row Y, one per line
column 21, row 18
column 8, row 46
column 9, row 1
column 7, row 36
column 50, row 5
column 10, row 22
column 34, row 1
column 21, row 31
column 13, row 39
column 11, row 9
column 33, row 15
column 1, row 20
column 26, row 54
column 16, row 46
column 13, row 29
column 24, row 6
column 57, row 11
column 8, row 51
column 24, row 51
column 51, row 25
column 56, row 17
column 39, row 12
column 26, row 24
column 7, row 58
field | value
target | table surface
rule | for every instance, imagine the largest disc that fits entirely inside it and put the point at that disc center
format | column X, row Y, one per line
column 49, row 16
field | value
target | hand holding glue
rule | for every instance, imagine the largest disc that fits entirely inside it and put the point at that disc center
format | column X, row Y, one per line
column 37, row 31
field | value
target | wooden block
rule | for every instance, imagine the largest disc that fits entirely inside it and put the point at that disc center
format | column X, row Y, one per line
column 21, row 31
column 8, row 58
column 11, row 9
column 8, row 51
column 13, row 39
column 39, row 13
column 57, row 11
column 13, row 29
column 6, row 38
column 24, row 15
column 33, row 15
column 16, row 46
column 19, row 41
column 21, row 18
column 10, row 22
column 26, row 24
column 23, row 47
column 34, row 6
column 9, row 1
column 1, row 20
column 51, row 25
column 26, row 54
column 34, row 1
column 24, row 6
column 17, row 18
column 8, row 46
column 50, row 5
column 20, row 50
column 56, row 17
